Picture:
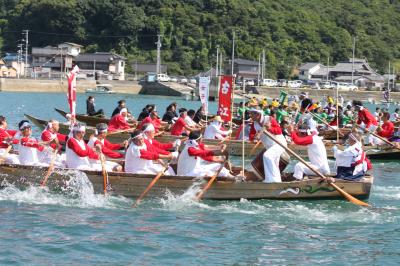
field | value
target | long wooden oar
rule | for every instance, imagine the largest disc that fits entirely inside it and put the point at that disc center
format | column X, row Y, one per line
column 254, row 148
column 325, row 123
column 209, row 183
column 120, row 131
column 104, row 172
column 341, row 191
column 50, row 169
column 155, row 179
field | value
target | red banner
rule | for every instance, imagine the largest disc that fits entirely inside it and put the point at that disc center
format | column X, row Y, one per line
column 72, row 89
column 225, row 98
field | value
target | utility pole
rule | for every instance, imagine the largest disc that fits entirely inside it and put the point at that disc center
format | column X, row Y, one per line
column 61, row 65
column 26, row 32
column 327, row 73
column 259, row 70
column 263, row 65
column 220, row 63
column 158, row 69
column 352, row 66
column 233, row 52
column 19, row 58
column 136, row 69
column 216, row 67
column 388, row 87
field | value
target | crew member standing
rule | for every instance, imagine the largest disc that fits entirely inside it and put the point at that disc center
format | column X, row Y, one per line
column 273, row 153
column 315, row 149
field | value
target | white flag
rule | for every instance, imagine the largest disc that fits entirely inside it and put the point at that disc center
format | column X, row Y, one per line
column 204, row 87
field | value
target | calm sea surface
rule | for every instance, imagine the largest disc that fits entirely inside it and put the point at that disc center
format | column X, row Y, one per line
column 78, row 227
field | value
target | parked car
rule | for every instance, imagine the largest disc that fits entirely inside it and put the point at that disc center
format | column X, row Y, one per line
column 269, row 83
column 173, row 79
column 163, row 78
column 182, row 80
column 295, row 83
column 347, row 87
column 282, row 82
column 326, row 85
column 101, row 89
column 192, row 81
column 249, row 82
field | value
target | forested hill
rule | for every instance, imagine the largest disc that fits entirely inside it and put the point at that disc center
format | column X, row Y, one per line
column 291, row 31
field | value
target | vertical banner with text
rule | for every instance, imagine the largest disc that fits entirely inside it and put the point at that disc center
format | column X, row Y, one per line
column 225, row 98
column 72, row 89
column 204, row 87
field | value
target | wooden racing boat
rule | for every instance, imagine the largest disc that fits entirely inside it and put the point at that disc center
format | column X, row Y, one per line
column 234, row 146
column 88, row 120
column 132, row 185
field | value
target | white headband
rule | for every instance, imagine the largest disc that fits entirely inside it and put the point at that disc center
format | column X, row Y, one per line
column 123, row 110
column 149, row 128
column 256, row 111
column 79, row 129
column 135, row 137
column 24, row 125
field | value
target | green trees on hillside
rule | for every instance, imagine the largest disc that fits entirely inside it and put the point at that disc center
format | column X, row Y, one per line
column 291, row 31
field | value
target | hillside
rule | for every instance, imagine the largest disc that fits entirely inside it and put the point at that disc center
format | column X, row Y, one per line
column 291, row 31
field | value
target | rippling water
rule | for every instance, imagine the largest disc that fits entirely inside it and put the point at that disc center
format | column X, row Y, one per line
column 76, row 226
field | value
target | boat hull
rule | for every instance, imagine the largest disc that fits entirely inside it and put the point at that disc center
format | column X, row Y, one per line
column 132, row 185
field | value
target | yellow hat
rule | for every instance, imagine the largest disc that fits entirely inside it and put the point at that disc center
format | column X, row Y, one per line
column 218, row 118
column 275, row 104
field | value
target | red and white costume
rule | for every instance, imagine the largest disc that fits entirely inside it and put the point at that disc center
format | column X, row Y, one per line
column 47, row 154
column 196, row 161
column 179, row 127
column 118, row 122
column 273, row 153
column 156, row 122
column 316, row 153
column 214, row 131
column 387, row 130
column 107, row 148
column 368, row 121
column 352, row 156
column 139, row 160
column 28, row 151
column 7, row 137
column 78, row 154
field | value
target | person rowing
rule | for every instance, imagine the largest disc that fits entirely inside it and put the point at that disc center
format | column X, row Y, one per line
column 366, row 120
column 158, row 147
column 140, row 160
column 351, row 163
column 180, row 128
column 55, row 139
column 273, row 151
column 198, row 160
column 107, row 148
column 215, row 130
column 386, row 130
column 80, row 156
column 29, row 147
column 315, row 149
column 120, row 121
column 154, row 119
column 7, row 138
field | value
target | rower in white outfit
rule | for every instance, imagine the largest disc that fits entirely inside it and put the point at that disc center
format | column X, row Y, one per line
column 273, row 153
column 29, row 147
column 315, row 149
column 352, row 162
column 198, row 161
column 80, row 156
column 140, row 160
column 214, row 131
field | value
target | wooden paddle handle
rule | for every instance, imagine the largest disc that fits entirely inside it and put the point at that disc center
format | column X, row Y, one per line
column 209, row 183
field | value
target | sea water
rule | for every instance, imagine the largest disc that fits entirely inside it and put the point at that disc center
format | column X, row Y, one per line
column 77, row 227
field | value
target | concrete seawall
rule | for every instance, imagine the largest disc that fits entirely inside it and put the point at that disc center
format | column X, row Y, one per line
column 44, row 85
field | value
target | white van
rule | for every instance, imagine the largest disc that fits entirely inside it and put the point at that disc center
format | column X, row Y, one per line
column 295, row 83
column 163, row 78
column 269, row 83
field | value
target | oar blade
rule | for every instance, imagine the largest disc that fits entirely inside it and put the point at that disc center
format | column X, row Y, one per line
column 350, row 197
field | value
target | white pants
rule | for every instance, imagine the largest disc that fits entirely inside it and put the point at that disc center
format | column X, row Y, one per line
column 369, row 138
column 301, row 169
column 9, row 158
column 209, row 170
column 271, row 159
